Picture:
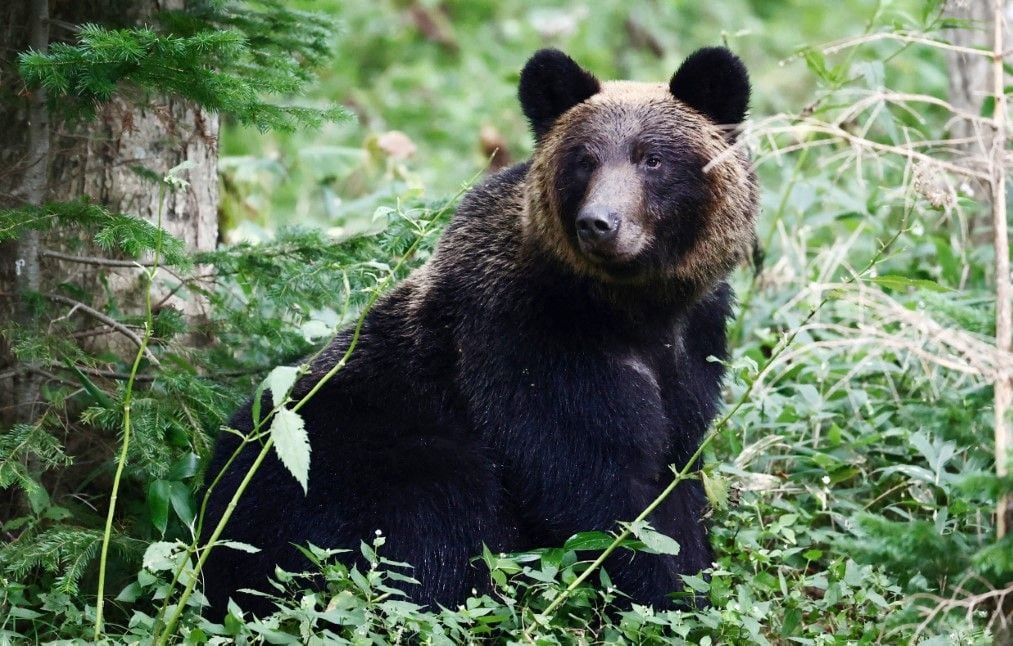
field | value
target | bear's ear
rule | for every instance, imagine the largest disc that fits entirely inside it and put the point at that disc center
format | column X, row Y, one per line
column 551, row 84
column 714, row 82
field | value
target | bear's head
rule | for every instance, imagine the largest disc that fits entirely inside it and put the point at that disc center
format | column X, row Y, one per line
column 639, row 182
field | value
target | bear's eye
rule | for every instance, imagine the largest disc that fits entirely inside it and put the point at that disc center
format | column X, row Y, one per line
column 653, row 162
column 585, row 162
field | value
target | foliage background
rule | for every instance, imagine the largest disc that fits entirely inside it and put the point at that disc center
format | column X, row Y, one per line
column 853, row 486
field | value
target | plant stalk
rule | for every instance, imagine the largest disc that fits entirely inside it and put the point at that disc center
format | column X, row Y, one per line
column 149, row 327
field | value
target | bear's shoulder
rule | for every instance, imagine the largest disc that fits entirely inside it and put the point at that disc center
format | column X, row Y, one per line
column 485, row 230
column 500, row 191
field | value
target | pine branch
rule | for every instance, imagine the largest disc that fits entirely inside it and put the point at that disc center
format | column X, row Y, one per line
column 221, row 56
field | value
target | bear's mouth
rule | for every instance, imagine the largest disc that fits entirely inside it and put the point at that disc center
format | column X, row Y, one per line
column 616, row 265
column 619, row 252
column 606, row 257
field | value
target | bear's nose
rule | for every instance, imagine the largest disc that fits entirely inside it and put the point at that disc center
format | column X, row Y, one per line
column 597, row 224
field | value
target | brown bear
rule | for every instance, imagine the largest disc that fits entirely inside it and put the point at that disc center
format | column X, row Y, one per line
column 540, row 373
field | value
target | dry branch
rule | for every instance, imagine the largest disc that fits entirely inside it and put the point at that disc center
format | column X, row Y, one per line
column 111, row 322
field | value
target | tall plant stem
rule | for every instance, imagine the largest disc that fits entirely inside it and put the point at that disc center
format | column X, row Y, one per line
column 128, row 394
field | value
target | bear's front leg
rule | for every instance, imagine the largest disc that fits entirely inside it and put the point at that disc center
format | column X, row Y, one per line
column 590, row 491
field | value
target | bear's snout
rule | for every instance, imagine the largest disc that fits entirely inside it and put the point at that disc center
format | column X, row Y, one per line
column 608, row 227
column 597, row 228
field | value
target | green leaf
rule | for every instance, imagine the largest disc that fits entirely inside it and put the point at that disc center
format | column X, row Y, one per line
column 696, row 582
column 589, row 541
column 988, row 106
column 130, row 594
column 792, row 619
column 97, row 393
column 183, row 468
column 158, row 504
column 892, row 281
column 313, row 330
column 237, row 545
column 24, row 613
column 292, row 444
column 163, row 555
column 655, row 540
column 258, row 397
column 280, row 382
column 716, row 487
column 179, row 496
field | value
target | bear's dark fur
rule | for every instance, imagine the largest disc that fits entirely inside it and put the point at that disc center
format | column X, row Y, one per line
column 537, row 377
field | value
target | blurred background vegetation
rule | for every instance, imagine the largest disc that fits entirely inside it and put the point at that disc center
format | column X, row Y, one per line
column 445, row 74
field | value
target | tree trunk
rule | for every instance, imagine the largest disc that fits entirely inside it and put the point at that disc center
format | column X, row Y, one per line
column 970, row 76
column 972, row 80
column 970, row 86
column 99, row 158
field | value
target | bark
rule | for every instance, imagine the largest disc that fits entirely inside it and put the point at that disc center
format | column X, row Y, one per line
column 1000, row 233
column 98, row 158
column 970, row 76
column 32, row 191
column 970, row 86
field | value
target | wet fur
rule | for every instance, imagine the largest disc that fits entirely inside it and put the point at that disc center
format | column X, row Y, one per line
column 509, row 393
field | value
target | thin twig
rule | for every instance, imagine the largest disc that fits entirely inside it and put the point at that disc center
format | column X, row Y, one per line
column 94, row 260
column 110, row 374
column 901, row 98
column 837, row 46
column 811, row 126
column 111, row 322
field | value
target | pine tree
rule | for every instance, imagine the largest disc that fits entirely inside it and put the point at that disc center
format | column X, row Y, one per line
column 122, row 103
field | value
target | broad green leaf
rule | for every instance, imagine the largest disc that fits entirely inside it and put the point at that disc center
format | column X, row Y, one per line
column 280, row 381
column 158, row 504
column 179, row 496
column 589, row 541
column 696, row 582
column 792, row 619
column 894, row 281
column 162, row 555
column 655, row 540
column 237, row 545
column 314, row 329
column 292, row 444
column 130, row 594
column 183, row 468
column 716, row 488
